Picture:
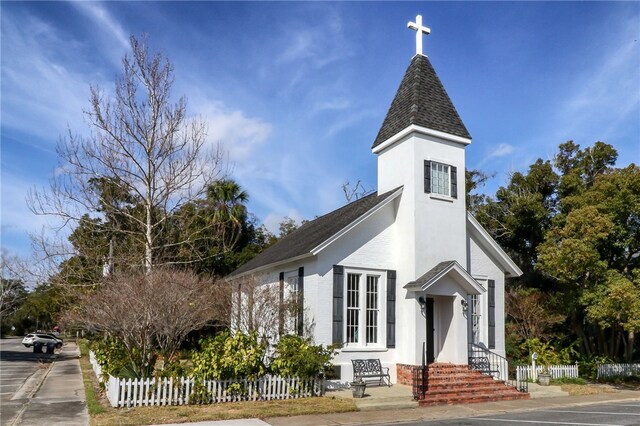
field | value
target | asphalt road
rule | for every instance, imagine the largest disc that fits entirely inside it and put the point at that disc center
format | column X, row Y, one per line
column 611, row 414
column 20, row 370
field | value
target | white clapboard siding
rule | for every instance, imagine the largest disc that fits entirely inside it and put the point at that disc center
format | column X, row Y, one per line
column 618, row 370
column 524, row 372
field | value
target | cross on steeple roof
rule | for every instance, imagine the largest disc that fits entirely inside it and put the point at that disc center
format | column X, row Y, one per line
column 417, row 26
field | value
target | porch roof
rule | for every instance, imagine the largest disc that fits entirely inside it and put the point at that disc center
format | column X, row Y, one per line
column 442, row 269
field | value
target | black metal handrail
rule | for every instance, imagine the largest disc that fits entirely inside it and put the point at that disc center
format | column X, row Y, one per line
column 493, row 364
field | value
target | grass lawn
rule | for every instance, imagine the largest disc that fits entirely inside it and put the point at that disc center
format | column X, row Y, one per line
column 102, row 413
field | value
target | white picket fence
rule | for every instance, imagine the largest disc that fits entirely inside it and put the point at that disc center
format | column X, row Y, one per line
column 178, row 391
column 617, row 370
column 524, row 372
column 97, row 368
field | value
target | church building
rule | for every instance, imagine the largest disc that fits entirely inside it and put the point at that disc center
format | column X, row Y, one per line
column 405, row 275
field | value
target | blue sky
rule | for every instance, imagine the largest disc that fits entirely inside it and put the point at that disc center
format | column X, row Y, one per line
column 297, row 91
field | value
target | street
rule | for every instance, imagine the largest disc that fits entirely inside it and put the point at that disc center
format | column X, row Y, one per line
column 609, row 414
column 41, row 389
column 20, row 371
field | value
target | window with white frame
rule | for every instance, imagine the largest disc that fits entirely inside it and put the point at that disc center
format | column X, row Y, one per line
column 476, row 315
column 363, row 310
column 440, row 179
column 440, row 182
column 292, row 301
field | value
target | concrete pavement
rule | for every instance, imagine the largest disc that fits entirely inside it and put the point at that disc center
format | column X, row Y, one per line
column 450, row 411
column 60, row 398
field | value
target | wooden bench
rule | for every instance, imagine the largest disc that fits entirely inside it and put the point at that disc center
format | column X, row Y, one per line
column 370, row 368
column 482, row 364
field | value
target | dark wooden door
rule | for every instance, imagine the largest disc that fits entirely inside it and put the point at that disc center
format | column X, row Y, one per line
column 430, row 340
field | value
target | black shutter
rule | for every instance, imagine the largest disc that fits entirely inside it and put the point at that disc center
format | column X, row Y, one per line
column 338, row 303
column 427, row 177
column 281, row 306
column 492, row 314
column 454, row 182
column 300, row 301
column 391, row 309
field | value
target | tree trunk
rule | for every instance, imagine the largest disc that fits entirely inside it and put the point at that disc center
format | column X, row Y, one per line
column 630, row 343
column 577, row 327
column 148, row 256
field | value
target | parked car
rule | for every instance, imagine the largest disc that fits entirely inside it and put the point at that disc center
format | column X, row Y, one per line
column 42, row 338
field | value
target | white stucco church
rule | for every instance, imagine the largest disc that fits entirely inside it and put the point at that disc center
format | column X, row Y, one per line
column 404, row 275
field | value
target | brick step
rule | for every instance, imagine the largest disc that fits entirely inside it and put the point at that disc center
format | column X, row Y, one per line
column 461, row 378
column 484, row 390
column 465, row 385
column 471, row 378
column 467, row 399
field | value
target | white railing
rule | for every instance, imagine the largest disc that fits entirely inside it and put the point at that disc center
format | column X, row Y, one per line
column 178, row 391
column 617, row 370
column 556, row 371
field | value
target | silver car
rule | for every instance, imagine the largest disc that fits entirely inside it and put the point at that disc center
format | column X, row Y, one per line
column 41, row 338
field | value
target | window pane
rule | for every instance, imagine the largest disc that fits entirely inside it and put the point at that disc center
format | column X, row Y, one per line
column 372, row 309
column 440, row 178
column 475, row 309
column 292, row 321
column 353, row 307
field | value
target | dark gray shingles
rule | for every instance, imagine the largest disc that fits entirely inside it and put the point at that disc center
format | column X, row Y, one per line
column 421, row 100
column 433, row 272
column 313, row 233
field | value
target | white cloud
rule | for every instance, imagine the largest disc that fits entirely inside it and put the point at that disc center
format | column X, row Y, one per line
column 240, row 135
column 273, row 220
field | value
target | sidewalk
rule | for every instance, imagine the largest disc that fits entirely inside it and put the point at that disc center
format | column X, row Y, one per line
column 60, row 400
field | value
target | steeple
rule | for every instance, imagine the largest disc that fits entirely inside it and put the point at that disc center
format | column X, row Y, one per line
column 422, row 101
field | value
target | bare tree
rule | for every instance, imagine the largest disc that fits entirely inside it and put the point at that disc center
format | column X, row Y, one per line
column 12, row 288
column 149, row 312
column 143, row 162
column 269, row 309
column 529, row 309
column 356, row 192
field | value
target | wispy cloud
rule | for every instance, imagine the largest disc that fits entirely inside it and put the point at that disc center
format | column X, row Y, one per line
column 37, row 77
column 111, row 29
column 335, row 104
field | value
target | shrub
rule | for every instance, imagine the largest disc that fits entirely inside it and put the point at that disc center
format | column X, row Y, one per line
column 114, row 358
column 297, row 357
column 229, row 356
column 589, row 365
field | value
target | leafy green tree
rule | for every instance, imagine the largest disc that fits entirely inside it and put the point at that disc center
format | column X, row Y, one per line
column 616, row 304
column 593, row 249
column 520, row 215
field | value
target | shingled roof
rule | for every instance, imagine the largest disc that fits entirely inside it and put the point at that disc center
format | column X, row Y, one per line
column 421, row 100
column 313, row 233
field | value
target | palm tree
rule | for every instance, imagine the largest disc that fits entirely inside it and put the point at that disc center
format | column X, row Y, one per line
column 226, row 201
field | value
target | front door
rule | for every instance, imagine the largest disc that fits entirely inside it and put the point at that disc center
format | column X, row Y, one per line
column 430, row 329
